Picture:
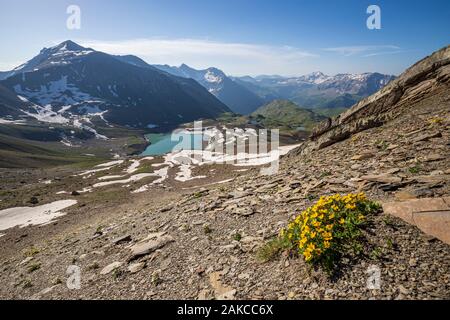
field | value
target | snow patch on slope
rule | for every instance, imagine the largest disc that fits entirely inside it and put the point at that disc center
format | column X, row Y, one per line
column 26, row 216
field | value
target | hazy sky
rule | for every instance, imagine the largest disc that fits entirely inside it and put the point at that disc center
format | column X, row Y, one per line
column 238, row 36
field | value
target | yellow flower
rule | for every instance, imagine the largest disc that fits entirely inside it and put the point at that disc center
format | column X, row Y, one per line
column 327, row 236
column 312, row 230
column 307, row 256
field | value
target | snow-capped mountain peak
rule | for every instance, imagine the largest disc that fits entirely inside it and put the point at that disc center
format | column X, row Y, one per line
column 316, row 77
column 69, row 84
column 61, row 54
column 69, row 45
column 234, row 95
column 213, row 77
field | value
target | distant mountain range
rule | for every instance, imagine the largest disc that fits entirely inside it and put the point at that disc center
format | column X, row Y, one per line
column 70, row 84
column 245, row 94
column 237, row 97
column 317, row 90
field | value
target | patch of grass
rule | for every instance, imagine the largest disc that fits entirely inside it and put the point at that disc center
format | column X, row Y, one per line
column 99, row 230
column 286, row 115
column 387, row 220
column 325, row 174
column 30, row 252
column 101, row 196
column 376, row 253
column 185, row 227
column 415, row 169
column 237, row 236
column 117, row 273
column 156, row 278
column 271, row 250
column 389, row 243
column 198, row 195
column 207, row 229
column 145, row 167
column 357, row 248
column 33, row 267
column 311, row 197
column 26, row 284
column 382, row 145
column 18, row 152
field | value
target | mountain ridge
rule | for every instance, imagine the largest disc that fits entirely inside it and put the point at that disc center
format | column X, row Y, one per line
column 317, row 90
column 238, row 98
column 78, row 79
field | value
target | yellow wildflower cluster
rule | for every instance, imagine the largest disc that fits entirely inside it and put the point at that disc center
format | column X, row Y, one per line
column 321, row 228
column 436, row 120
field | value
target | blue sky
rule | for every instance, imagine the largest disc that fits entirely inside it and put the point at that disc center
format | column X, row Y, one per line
column 241, row 37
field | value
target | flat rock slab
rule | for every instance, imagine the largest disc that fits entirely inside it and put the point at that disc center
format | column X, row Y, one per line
column 427, row 136
column 136, row 267
column 153, row 242
column 363, row 156
column 431, row 215
column 382, row 178
column 111, row 267
column 122, row 239
column 221, row 291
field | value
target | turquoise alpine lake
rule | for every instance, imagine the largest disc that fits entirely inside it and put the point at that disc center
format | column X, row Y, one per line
column 162, row 143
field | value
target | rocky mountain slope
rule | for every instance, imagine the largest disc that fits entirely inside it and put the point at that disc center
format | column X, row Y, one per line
column 238, row 98
column 201, row 239
column 67, row 81
column 11, row 105
column 317, row 90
